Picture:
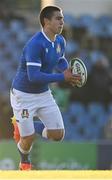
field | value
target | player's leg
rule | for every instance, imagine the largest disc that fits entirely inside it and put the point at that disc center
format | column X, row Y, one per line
column 55, row 134
column 51, row 117
column 39, row 129
column 54, row 128
column 24, row 118
column 26, row 129
column 27, row 135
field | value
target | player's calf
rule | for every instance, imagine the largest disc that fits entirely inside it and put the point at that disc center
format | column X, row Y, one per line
column 24, row 148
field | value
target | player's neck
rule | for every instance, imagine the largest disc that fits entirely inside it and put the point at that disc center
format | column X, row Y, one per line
column 51, row 36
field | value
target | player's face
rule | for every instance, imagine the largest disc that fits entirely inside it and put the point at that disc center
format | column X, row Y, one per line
column 56, row 23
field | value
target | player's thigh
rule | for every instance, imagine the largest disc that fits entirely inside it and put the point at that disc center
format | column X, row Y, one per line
column 23, row 113
column 25, row 125
column 51, row 116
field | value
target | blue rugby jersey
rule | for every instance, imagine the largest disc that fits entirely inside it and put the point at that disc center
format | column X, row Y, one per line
column 39, row 58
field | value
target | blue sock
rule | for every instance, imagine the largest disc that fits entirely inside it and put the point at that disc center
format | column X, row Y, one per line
column 39, row 126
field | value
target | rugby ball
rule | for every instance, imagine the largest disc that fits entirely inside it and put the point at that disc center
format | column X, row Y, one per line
column 78, row 67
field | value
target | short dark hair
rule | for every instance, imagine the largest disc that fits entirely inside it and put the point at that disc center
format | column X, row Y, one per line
column 47, row 12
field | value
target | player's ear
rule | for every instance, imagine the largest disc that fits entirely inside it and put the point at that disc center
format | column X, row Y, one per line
column 46, row 21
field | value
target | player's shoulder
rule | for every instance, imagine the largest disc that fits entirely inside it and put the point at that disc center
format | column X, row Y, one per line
column 36, row 39
column 61, row 39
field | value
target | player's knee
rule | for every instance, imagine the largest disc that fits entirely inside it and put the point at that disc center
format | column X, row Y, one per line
column 59, row 137
column 56, row 135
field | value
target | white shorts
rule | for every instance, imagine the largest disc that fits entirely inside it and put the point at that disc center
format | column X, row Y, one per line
column 26, row 106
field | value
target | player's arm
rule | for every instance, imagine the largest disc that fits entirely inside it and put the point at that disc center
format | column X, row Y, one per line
column 63, row 64
column 35, row 75
column 33, row 55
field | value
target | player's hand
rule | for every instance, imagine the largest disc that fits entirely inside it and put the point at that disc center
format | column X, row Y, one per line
column 76, row 81
column 70, row 78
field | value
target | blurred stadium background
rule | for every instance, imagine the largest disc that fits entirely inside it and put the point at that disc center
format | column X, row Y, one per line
column 87, row 111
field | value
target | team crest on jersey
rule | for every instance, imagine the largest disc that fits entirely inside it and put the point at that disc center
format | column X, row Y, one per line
column 58, row 49
column 25, row 113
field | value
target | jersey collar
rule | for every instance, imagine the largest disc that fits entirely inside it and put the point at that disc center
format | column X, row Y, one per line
column 47, row 37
